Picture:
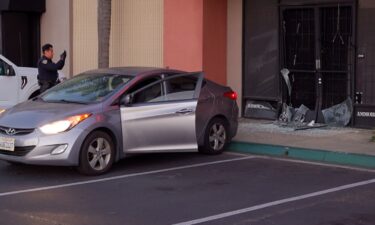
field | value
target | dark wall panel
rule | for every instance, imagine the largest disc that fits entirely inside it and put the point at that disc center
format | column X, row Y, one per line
column 21, row 37
column 261, row 50
column 313, row 2
column 4, row 5
column 365, row 81
column 364, row 111
column 38, row 6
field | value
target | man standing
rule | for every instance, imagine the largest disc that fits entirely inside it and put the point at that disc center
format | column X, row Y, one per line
column 48, row 75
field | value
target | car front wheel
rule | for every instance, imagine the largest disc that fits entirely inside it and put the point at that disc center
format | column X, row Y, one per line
column 97, row 154
column 216, row 137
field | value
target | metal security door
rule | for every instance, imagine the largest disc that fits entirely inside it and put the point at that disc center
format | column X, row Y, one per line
column 299, row 56
column 317, row 50
column 337, row 53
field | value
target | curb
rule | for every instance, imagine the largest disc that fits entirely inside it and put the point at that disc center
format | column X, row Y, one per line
column 341, row 158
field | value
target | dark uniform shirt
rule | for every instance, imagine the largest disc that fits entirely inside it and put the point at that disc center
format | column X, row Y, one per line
column 48, row 70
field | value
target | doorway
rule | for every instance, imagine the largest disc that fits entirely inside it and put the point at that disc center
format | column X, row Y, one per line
column 317, row 48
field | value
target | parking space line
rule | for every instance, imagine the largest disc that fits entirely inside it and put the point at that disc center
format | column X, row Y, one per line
column 3, row 194
column 304, row 162
column 239, row 154
column 319, row 164
column 278, row 202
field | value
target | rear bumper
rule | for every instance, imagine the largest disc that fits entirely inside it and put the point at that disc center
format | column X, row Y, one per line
column 234, row 121
column 233, row 128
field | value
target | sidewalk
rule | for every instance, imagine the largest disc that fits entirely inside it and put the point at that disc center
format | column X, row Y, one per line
column 347, row 146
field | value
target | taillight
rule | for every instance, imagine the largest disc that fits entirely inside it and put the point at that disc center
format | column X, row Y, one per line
column 231, row 95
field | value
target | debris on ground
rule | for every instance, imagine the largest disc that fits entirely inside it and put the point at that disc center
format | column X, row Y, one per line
column 339, row 115
column 302, row 118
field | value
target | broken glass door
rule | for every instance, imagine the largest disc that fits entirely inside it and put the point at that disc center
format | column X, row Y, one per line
column 316, row 45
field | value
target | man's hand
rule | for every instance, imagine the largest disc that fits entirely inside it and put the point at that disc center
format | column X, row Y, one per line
column 63, row 55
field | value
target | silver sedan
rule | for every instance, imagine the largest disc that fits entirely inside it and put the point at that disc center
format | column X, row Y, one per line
column 100, row 116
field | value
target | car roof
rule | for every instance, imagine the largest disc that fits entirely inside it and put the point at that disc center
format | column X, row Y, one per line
column 132, row 71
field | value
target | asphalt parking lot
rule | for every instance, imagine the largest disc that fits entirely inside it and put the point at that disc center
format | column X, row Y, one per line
column 189, row 188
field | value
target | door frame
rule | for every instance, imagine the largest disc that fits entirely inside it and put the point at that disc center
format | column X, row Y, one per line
column 168, row 107
column 318, row 71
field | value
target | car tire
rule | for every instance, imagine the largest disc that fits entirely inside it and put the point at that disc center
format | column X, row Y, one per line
column 215, row 137
column 97, row 154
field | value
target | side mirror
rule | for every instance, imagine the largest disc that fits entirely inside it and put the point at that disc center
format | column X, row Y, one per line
column 9, row 71
column 126, row 100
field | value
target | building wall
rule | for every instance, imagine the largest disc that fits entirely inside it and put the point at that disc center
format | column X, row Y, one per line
column 365, row 81
column 215, row 40
column 195, row 36
column 234, row 48
column 55, row 29
column 183, row 34
column 364, row 90
column 186, row 35
column 137, row 33
column 85, row 35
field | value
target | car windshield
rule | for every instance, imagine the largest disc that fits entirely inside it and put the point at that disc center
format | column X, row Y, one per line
column 86, row 88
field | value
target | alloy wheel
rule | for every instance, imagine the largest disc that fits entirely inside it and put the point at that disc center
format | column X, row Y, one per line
column 217, row 137
column 99, row 154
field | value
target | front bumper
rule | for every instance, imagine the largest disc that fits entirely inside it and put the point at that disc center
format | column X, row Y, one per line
column 36, row 148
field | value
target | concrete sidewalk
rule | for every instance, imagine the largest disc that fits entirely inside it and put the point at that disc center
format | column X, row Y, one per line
column 347, row 146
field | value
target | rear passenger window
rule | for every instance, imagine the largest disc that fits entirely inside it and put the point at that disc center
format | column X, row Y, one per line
column 181, row 88
column 169, row 89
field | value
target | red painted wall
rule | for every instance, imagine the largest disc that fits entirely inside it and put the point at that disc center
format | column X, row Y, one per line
column 183, row 34
column 195, row 36
column 215, row 40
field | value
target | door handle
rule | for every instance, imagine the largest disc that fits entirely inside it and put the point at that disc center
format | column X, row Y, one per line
column 24, row 82
column 184, row 111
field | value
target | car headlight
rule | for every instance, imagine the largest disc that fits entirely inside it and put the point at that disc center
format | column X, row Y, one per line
column 2, row 110
column 63, row 125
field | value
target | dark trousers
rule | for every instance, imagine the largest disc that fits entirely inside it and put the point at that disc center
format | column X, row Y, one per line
column 45, row 85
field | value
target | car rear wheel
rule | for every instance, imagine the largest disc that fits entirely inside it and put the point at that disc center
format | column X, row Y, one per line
column 216, row 137
column 97, row 154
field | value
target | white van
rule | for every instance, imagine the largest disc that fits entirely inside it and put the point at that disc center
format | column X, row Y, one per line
column 17, row 84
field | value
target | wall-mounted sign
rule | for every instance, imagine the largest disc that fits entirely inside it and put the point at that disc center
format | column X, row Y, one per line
column 366, row 114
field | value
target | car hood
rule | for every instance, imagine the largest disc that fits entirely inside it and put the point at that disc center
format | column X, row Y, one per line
column 33, row 114
column 32, row 72
column 26, row 71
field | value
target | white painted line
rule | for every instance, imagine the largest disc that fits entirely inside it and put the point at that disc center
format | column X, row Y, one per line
column 240, row 154
column 303, row 162
column 275, row 203
column 120, row 177
column 317, row 164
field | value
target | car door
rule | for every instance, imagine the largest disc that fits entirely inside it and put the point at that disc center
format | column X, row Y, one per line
column 161, row 115
column 8, row 85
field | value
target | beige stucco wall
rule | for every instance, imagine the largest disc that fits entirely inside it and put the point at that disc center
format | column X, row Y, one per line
column 55, row 29
column 85, row 35
column 234, row 48
column 137, row 33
